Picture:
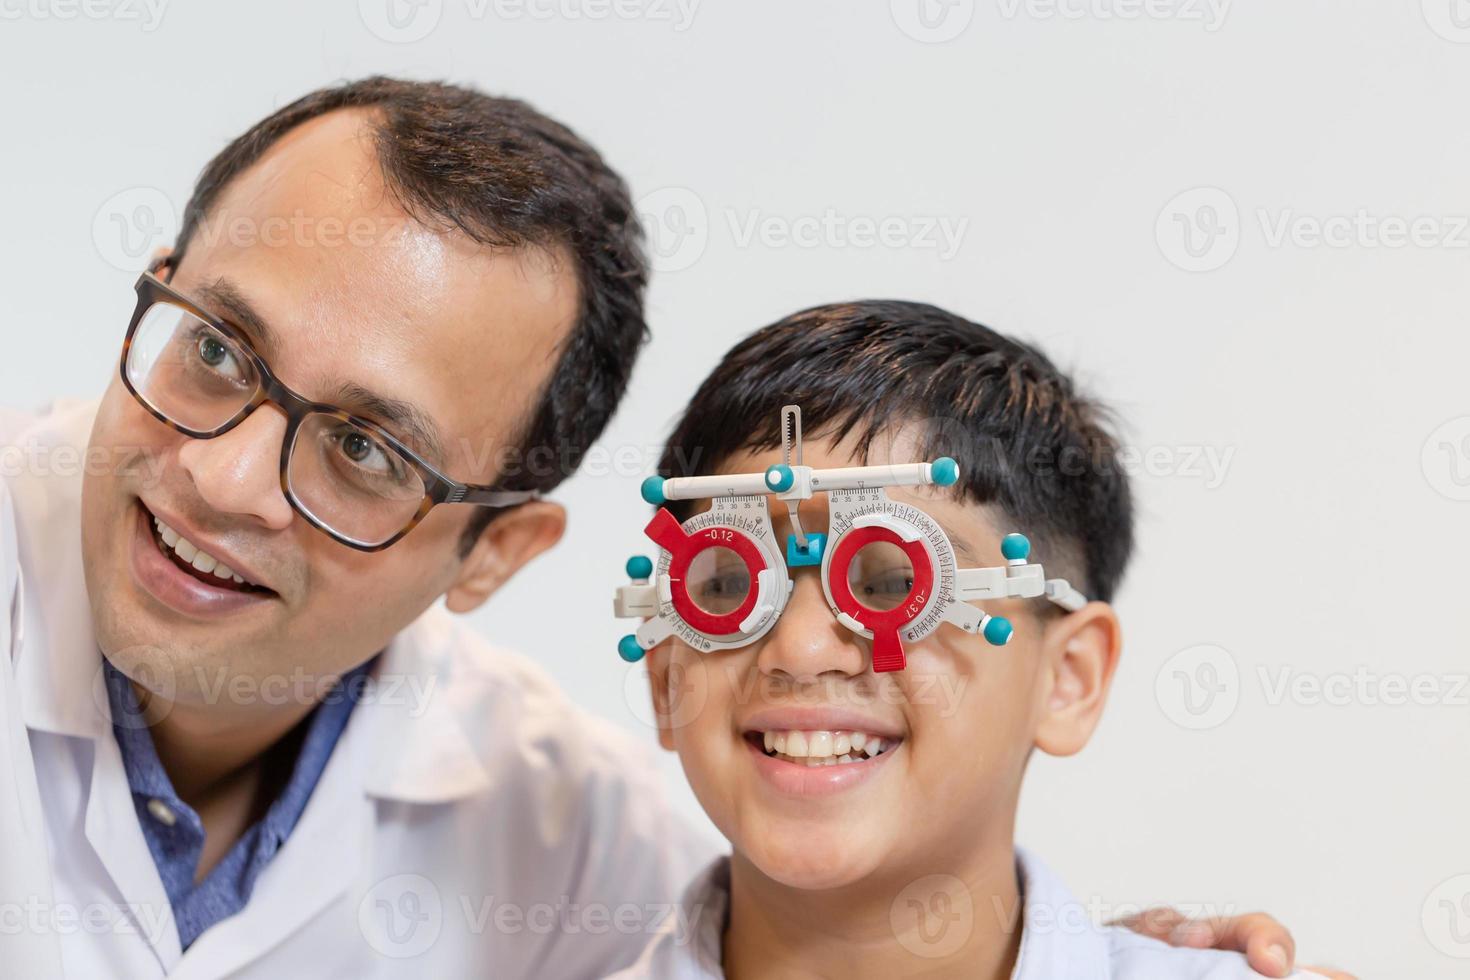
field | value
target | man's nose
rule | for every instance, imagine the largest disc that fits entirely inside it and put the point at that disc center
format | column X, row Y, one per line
column 240, row 471
column 807, row 641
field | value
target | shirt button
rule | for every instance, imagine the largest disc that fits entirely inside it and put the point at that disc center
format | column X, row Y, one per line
column 161, row 812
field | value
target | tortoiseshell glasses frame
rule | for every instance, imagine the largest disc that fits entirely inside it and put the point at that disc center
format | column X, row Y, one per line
column 152, row 290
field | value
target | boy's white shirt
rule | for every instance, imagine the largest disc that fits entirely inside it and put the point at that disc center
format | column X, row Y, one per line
column 1059, row 941
column 475, row 822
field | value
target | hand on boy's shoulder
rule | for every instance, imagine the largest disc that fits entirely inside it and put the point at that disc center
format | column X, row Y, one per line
column 1136, row 957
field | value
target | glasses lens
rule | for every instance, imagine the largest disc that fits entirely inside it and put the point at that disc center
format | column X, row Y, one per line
column 718, row 581
column 187, row 371
column 881, row 576
column 351, row 481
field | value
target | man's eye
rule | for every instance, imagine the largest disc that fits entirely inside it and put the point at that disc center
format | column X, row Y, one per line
column 217, row 356
column 365, row 452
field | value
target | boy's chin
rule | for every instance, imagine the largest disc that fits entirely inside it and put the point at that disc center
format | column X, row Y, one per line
column 820, row 858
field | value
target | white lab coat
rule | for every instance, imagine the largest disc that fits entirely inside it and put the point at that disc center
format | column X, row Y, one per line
column 500, row 833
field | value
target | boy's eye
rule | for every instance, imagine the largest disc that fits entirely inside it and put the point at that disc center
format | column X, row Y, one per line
column 881, row 576
column 718, row 581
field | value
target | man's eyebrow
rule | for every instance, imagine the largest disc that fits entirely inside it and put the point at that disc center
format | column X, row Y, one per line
column 415, row 426
column 229, row 303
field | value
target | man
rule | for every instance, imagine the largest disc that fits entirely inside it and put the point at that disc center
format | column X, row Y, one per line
column 245, row 739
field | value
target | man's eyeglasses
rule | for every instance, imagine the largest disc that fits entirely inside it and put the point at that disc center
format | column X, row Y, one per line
column 347, row 476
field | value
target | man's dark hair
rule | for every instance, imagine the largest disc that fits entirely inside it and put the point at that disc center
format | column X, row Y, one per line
column 506, row 176
column 1027, row 442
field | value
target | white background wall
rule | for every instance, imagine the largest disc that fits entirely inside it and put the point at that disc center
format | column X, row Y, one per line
column 1070, row 144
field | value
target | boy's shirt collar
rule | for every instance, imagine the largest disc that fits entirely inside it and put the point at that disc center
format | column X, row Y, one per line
column 1060, row 938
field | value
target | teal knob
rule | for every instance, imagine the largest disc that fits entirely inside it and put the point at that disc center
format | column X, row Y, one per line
column 653, row 490
column 780, row 478
column 629, row 649
column 639, row 567
column 1015, row 547
column 944, row 471
column 998, row 631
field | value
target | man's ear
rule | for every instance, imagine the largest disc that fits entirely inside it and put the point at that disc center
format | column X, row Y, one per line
column 1080, row 652
column 505, row 546
column 658, row 660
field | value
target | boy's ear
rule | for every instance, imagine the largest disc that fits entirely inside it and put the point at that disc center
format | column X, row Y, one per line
column 1080, row 653
column 658, row 660
column 505, row 546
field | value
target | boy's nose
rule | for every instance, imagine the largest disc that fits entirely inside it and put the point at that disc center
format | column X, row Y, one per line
column 240, row 471
column 807, row 640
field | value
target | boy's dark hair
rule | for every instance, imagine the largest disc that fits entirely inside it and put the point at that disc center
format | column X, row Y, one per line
column 505, row 175
column 1026, row 441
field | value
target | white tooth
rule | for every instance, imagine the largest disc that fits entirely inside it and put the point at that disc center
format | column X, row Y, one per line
column 238, row 580
column 780, row 742
column 186, row 550
column 812, row 763
column 841, row 743
column 829, row 761
column 223, row 571
column 871, row 747
column 169, row 535
column 819, row 743
column 844, row 758
column 858, row 738
column 796, row 743
column 770, row 740
column 204, row 561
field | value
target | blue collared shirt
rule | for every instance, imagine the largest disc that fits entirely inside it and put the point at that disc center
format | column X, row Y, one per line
column 174, row 831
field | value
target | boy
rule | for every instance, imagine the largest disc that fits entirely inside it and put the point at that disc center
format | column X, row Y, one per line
column 871, row 811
